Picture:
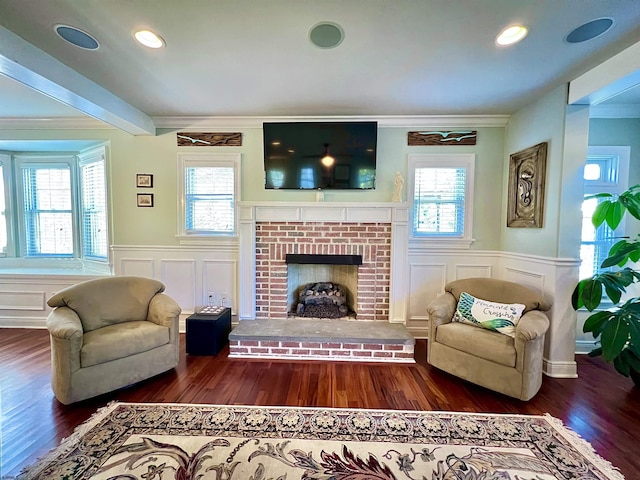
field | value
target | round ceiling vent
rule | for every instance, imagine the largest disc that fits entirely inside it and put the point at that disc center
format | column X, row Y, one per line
column 589, row 30
column 326, row 35
column 77, row 37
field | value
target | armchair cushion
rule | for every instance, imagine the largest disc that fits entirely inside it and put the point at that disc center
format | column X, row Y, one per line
column 498, row 317
column 121, row 340
column 478, row 342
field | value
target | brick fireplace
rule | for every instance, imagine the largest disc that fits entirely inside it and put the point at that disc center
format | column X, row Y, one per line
column 270, row 231
column 276, row 240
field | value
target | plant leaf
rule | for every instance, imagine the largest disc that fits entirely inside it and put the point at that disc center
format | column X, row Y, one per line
column 600, row 213
column 592, row 293
column 615, row 336
column 633, row 360
column 631, row 202
column 621, row 365
column 595, row 321
column 596, row 352
column 576, row 296
column 615, row 214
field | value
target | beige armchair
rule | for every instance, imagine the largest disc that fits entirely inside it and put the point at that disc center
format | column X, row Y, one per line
column 509, row 365
column 109, row 333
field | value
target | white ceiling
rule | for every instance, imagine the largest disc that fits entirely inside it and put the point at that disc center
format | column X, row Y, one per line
column 250, row 57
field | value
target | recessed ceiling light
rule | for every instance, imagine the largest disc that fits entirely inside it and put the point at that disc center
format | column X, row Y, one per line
column 77, row 37
column 326, row 35
column 149, row 39
column 589, row 30
column 512, row 34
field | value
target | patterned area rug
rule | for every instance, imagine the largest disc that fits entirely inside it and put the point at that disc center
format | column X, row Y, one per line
column 126, row 441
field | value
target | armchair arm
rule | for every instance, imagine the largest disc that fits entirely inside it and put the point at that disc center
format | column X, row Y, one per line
column 63, row 323
column 65, row 329
column 441, row 309
column 163, row 310
column 532, row 325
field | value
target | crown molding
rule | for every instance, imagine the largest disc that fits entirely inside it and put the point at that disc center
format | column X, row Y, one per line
column 67, row 123
column 233, row 123
column 399, row 121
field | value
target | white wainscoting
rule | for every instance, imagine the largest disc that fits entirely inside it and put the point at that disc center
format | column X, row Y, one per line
column 23, row 297
column 191, row 272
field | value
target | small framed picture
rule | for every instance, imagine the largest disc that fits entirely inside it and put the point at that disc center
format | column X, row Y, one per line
column 145, row 199
column 144, row 180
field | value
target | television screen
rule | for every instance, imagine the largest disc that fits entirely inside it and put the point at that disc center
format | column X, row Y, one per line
column 317, row 155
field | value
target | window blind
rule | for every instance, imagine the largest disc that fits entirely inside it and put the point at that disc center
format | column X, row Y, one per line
column 439, row 201
column 48, row 216
column 93, row 210
column 209, row 199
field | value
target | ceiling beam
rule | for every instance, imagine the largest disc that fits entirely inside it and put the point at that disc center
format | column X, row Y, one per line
column 27, row 64
column 608, row 79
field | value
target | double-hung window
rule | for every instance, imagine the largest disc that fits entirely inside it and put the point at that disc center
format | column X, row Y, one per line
column 208, row 188
column 606, row 171
column 93, row 206
column 46, row 207
column 441, row 190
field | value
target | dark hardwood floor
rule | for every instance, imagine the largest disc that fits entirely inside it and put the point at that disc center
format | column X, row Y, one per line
column 601, row 406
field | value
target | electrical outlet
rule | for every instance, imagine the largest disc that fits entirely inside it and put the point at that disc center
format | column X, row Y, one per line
column 224, row 300
column 211, row 298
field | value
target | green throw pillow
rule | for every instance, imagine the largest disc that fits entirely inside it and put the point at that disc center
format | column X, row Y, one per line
column 499, row 317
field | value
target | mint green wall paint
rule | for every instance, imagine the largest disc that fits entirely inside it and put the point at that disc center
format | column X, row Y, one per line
column 619, row 131
column 157, row 155
column 542, row 121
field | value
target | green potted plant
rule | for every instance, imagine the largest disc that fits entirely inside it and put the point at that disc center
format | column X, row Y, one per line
column 617, row 326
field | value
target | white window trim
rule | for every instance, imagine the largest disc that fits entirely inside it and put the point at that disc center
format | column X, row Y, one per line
column 51, row 161
column 620, row 156
column 428, row 160
column 85, row 158
column 206, row 160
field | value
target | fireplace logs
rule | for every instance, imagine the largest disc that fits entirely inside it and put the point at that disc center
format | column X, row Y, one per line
column 322, row 300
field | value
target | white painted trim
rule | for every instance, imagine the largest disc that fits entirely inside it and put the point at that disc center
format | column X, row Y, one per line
column 229, row 245
column 444, row 160
column 49, row 123
column 613, row 76
column 560, row 369
column 232, row 123
column 38, row 323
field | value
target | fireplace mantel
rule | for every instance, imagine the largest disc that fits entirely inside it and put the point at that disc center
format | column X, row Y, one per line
column 392, row 213
column 323, row 211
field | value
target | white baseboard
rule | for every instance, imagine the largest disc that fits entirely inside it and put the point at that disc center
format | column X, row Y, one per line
column 23, row 322
column 560, row 369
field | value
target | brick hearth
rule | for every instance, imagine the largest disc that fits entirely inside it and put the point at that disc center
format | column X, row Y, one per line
column 322, row 339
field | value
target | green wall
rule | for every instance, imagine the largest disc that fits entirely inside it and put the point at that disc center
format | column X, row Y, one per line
column 542, row 121
column 157, row 155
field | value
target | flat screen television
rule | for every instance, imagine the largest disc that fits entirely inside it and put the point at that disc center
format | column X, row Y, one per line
column 320, row 155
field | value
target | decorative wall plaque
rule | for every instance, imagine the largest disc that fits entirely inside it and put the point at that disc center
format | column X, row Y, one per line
column 206, row 139
column 457, row 137
column 525, row 205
